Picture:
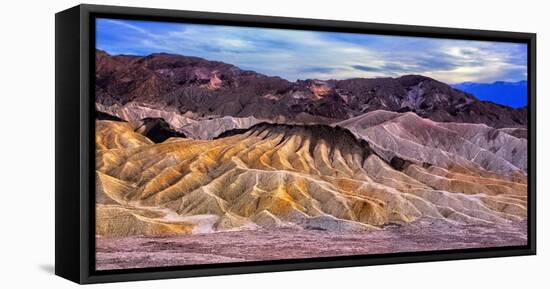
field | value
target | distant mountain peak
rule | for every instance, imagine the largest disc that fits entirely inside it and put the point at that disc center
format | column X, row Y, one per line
column 513, row 94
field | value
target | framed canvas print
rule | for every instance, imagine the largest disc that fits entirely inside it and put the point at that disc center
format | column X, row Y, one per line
column 193, row 144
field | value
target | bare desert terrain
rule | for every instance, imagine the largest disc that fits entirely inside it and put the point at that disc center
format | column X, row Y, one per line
column 277, row 244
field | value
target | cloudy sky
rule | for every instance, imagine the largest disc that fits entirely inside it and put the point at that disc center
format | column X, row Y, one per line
column 295, row 54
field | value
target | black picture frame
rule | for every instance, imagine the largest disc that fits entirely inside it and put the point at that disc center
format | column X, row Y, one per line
column 75, row 141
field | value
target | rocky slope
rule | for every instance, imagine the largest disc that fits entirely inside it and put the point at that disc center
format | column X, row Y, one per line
column 184, row 124
column 408, row 136
column 201, row 89
column 271, row 175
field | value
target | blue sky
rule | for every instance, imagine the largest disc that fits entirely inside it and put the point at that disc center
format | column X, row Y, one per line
column 295, row 54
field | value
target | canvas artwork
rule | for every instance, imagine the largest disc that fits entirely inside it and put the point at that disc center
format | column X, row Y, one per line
column 229, row 144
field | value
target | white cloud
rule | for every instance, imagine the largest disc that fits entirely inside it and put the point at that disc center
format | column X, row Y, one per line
column 294, row 54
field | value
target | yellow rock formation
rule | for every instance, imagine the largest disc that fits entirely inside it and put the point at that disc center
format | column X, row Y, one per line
column 276, row 175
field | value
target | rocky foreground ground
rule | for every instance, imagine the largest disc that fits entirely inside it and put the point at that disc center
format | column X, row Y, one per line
column 276, row 244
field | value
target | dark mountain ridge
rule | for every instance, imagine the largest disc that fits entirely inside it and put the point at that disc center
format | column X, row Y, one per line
column 213, row 89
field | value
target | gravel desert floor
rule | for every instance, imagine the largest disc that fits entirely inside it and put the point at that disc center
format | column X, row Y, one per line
column 277, row 244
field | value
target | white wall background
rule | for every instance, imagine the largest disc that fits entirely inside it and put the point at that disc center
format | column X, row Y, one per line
column 27, row 144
